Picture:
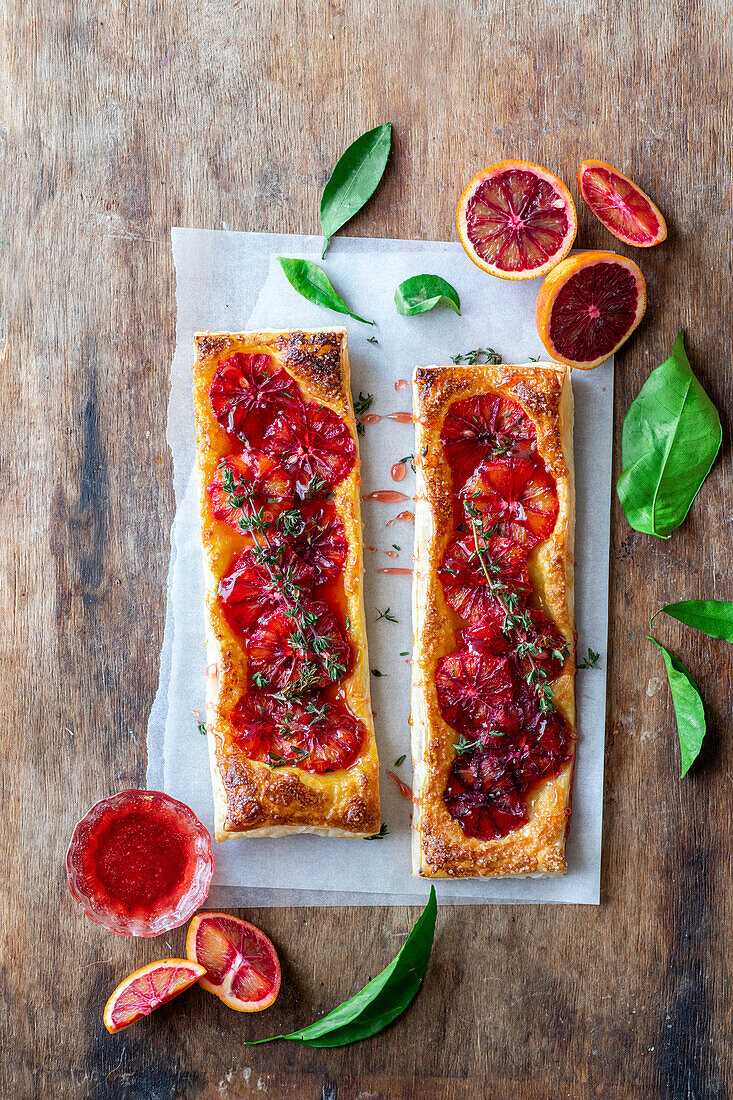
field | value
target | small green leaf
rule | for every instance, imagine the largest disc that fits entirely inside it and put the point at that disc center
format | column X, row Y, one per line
column 671, row 435
column 590, row 660
column 310, row 281
column 400, row 760
column 712, row 617
column 354, row 179
column 424, row 292
column 688, row 708
column 383, row 831
column 382, row 1000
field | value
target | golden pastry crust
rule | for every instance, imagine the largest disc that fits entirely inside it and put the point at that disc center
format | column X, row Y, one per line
column 440, row 848
column 252, row 799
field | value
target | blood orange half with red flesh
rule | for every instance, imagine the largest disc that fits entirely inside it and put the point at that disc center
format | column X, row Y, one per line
column 475, row 692
column 308, row 648
column 588, row 306
column 515, row 497
column 473, row 579
column 314, row 445
column 315, row 540
column 516, row 219
column 620, row 205
column 240, row 961
column 487, row 426
column 247, row 393
column 249, row 488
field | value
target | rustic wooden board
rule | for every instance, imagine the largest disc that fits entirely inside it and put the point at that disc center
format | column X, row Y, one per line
column 120, row 120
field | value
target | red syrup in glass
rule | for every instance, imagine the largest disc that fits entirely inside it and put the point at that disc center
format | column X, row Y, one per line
column 140, row 863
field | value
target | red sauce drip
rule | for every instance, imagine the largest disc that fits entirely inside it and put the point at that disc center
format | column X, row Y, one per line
column 401, row 384
column 387, row 496
column 404, row 789
column 392, row 572
column 398, row 471
column 387, row 553
column 370, row 418
column 139, row 859
column 401, row 417
column 403, row 517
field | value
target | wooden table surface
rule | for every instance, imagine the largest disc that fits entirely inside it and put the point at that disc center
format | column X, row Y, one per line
column 120, row 120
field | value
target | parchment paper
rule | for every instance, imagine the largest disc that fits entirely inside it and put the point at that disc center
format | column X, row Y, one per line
column 232, row 282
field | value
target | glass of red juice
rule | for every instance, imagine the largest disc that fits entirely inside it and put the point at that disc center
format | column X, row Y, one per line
column 140, row 863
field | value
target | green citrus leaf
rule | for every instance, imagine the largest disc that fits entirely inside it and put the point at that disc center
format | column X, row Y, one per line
column 688, row 708
column 712, row 617
column 670, row 438
column 354, row 179
column 423, row 292
column 310, row 281
column 382, row 1000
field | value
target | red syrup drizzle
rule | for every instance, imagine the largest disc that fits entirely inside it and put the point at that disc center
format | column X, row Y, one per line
column 387, row 553
column 402, row 517
column 392, row 572
column 386, row 496
column 398, row 417
column 398, row 471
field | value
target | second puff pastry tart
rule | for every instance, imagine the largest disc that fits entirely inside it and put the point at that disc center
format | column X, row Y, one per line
column 493, row 683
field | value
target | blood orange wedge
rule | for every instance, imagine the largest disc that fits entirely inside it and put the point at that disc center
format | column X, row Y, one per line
column 620, row 205
column 516, row 220
column 148, row 988
column 588, row 306
column 241, row 963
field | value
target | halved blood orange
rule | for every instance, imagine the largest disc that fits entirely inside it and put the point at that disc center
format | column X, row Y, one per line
column 588, row 306
column 620, row 205
column 147, row 989
column 241, row 963
column 516, row 219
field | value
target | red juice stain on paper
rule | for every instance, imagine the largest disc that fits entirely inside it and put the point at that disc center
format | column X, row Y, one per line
column 400, row 417
column 403, row 788
column 401, row 384
column 398, row 471
column 392, row 572
column 387, row 553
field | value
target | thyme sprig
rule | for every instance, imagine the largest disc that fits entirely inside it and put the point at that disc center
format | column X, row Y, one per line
column 516, row 618
column 478, row 355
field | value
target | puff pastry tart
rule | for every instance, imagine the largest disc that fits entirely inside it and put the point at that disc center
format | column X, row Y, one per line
column 289, row 722
column 493, row 684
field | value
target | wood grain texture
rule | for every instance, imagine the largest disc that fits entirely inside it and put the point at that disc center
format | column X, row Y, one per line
column 121, row 120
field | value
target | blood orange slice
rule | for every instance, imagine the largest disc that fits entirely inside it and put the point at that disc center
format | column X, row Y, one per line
column 315, row 737
column 316, row 543
column 249, row 590
column 516, row 219
column 475, row 692
column 588, row 306
column 482, row 796
column 538, row 643
column 309, row 650
column 515, row 497
column 314, row 445
column 240, row 962
column 247, row 394
column 487, row 426
column 463, row 573
column 617, row 202
column 248, row 489
column 148, row 988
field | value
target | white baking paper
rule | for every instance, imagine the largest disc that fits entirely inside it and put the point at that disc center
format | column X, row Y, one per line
column 233, row 282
